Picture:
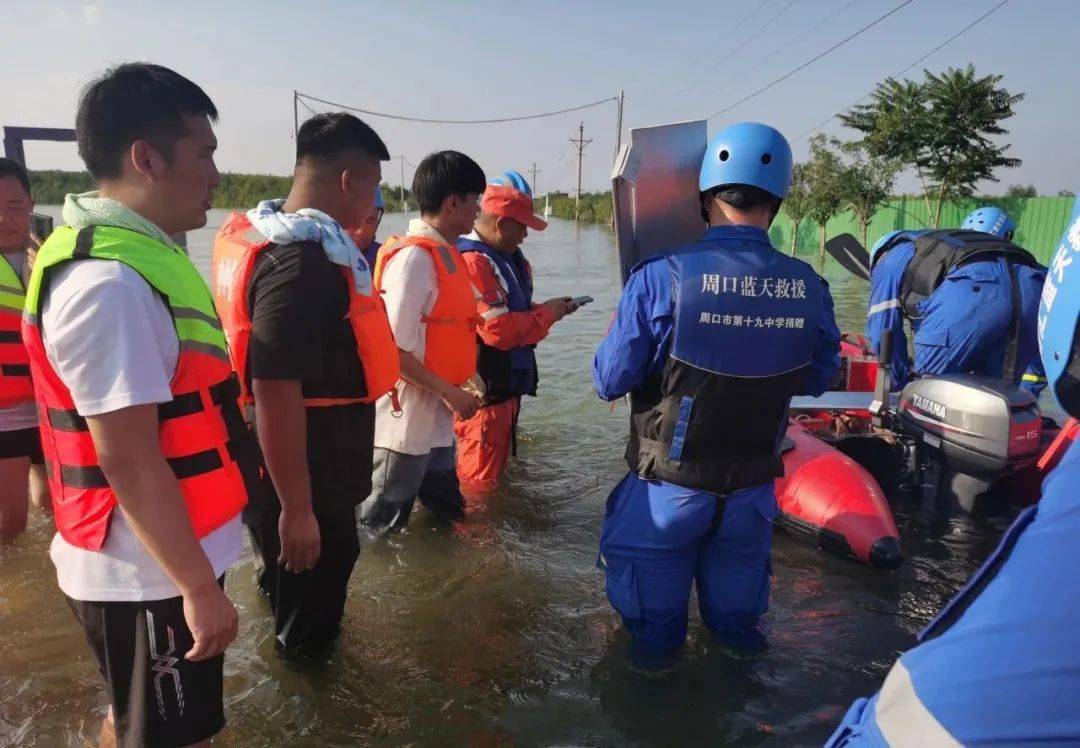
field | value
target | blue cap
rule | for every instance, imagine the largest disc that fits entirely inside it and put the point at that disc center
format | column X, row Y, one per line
column 748, row 153
column 1059, row 310
column 378, row 199
column 990, row 220
column 513, row 179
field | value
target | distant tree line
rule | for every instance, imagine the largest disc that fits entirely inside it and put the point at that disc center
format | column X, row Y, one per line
column 235, row 191
column 596, row 207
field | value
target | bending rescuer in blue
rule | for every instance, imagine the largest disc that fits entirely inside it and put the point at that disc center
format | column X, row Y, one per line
column 1000, row 665
column 971, row 299
column 711, row 340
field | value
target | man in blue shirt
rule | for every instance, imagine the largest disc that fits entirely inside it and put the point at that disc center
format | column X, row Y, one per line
column 966, row 323
column 364, row 237
column 1000, row 665
column 711, row 341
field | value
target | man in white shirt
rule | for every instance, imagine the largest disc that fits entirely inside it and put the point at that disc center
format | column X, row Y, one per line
column 149, row 460
column 421, row 275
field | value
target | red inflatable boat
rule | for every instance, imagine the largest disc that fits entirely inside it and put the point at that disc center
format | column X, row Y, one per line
column 828, row 498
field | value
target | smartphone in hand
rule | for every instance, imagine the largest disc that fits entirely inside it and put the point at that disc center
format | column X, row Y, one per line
column 41, row 226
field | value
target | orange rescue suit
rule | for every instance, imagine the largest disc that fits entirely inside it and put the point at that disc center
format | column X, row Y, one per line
column 236, row 247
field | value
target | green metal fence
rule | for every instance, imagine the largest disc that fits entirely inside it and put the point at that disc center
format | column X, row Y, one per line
column 1039, row 221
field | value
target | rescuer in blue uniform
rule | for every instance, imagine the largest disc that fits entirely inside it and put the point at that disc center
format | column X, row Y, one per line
column 364, row 237
column 1001, row 663
column 711, row 341
column 965, row 322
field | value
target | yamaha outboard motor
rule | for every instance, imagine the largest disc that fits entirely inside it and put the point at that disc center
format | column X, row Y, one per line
column 966, row 433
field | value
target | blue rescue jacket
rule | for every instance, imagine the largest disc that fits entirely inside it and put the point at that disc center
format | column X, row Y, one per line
column 957, row 329
column 1001, row 663
column 371, row 252
column 712, row 340
column 511, row 373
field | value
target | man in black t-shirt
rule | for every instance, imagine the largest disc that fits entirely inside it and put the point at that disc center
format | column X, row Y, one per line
column 307, row 380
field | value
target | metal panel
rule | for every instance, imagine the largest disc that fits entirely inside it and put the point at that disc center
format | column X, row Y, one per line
column 14, row 137
column 655, row 190
column 838, row 400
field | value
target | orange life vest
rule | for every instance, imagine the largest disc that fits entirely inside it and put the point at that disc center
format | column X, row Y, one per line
column 15, row 385
column 236, row 247
column 450, row 343
column 202, row 432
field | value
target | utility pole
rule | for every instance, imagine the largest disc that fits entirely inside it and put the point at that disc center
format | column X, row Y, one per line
column 618, row 124
column 401, row 190
column 296, row 113
column 580, row 142
column 535, row 171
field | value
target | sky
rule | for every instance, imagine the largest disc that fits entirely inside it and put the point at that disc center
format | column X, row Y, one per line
column 675, row 61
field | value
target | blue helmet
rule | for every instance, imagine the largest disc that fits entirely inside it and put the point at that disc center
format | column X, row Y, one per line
column 378, row 199
column 748, row 153
column 1059, row 311
column 990, row 220
column 881, row 243
column 515, row 180
column 910, row 234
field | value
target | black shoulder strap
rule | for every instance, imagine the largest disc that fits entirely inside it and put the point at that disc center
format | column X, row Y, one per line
column 1008, row 366
column 939, row 252
column 84, row 242
column 925, row 271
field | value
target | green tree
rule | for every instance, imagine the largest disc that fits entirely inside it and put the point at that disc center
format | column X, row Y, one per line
column 1066, row 193
column 942, row 127
column 1021, row 190
column 824, row 173
column 866, row 183
column 796, row 205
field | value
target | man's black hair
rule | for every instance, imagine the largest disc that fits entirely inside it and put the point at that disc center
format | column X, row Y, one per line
column 741, row 196
column 135, row 101
column 328, row 136
column 12, row 168
column 443, row 174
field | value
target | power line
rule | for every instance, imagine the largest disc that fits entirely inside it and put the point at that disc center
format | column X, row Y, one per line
column 727, row 33
column 803, row 34
column 811, row 61
column 749, row 38
column 494, row 120
column 938, row 48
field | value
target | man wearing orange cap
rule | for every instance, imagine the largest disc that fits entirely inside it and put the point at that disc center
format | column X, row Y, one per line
column 510, row 329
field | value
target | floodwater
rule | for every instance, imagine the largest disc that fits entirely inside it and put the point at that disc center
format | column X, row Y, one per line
column 496, row 632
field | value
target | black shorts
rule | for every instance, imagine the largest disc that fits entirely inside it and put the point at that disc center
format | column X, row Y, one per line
column 158, row 697
column 21, row 443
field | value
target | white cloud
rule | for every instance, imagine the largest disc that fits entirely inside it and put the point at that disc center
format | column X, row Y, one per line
column 92, row 14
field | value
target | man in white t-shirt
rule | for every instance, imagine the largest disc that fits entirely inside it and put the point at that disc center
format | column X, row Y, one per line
column 139, row 418
column 414, row 439
column 22, row 473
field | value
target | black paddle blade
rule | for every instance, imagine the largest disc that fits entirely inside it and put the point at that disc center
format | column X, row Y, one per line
column 852, row 255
